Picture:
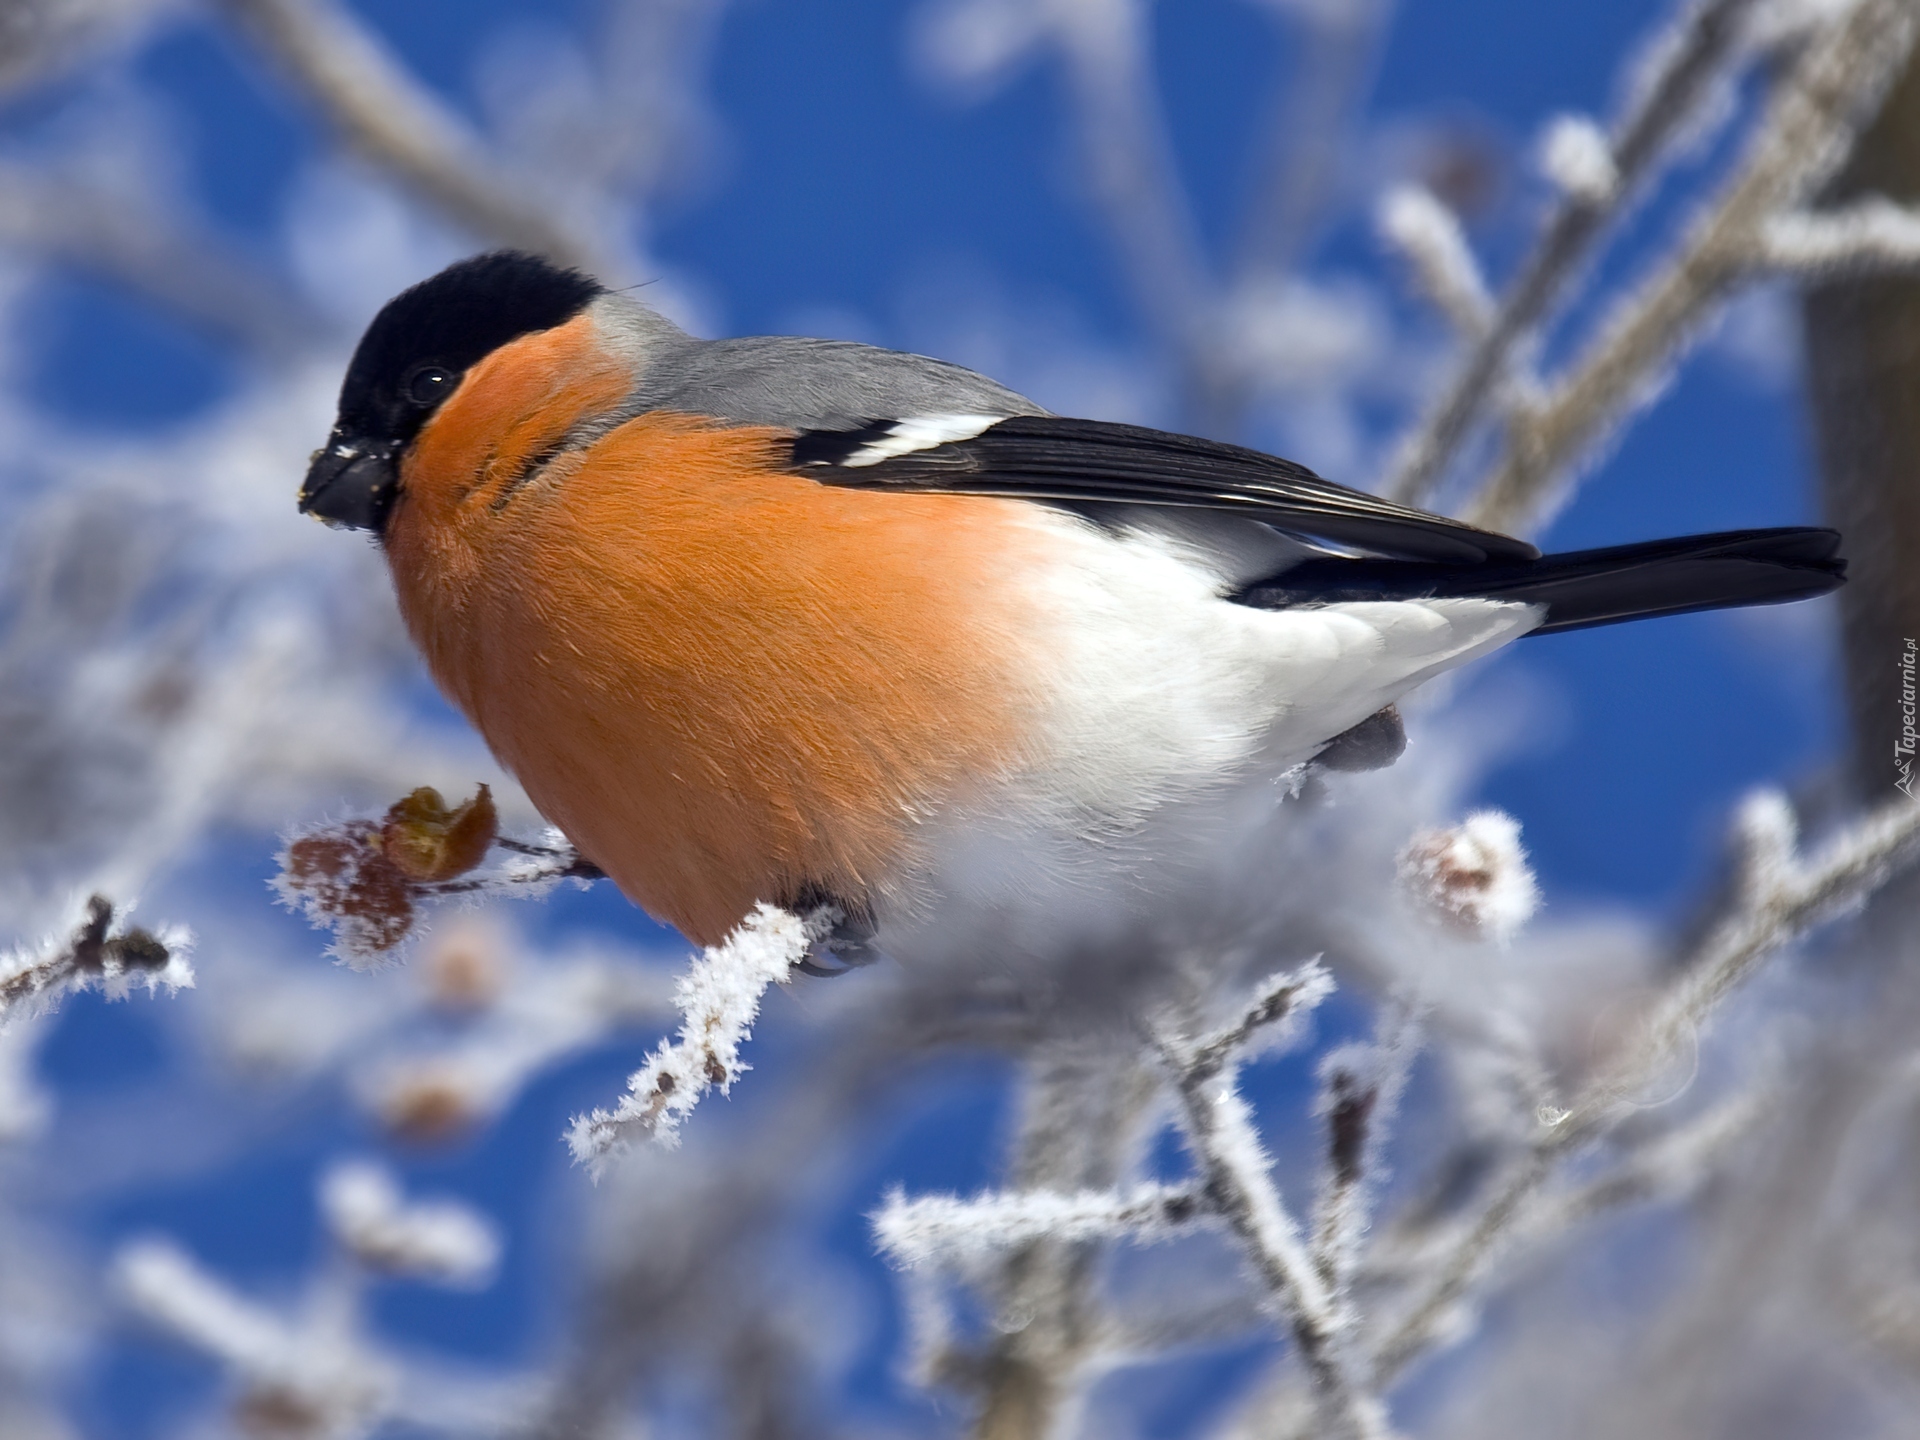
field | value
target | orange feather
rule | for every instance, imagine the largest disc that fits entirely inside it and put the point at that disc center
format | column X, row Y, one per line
column 721, row 680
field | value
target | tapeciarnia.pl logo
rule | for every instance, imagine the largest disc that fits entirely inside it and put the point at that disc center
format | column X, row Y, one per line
column 1903, row 748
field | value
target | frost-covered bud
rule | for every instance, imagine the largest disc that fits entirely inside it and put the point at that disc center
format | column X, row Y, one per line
column 1575, row 155
column 439, row 1240
column 1473, row 878
column 341, row 878
column 358, row 878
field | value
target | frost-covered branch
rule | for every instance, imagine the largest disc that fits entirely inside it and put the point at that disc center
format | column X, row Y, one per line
column 1778, row 897
column 719, row 998
column 1802, row 137
column 373, row 1221
column 1663, row 1167
column 1428, row 235
column 317, row 1378
column 1687, row 62
column 314, row 1370
column 1237, row 1176
column 1867, row 236
column 366, row 93
column 98, row 954
column 949, row 1230
column 1360, row 1089
column 1271, row 1014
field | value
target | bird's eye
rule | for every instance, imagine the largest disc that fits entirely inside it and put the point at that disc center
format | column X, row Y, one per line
column 427, row 385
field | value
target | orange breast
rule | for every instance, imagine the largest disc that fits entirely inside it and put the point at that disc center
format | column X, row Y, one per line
column 723, row 682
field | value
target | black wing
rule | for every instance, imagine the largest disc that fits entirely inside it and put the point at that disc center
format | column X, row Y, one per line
column 1045, row 457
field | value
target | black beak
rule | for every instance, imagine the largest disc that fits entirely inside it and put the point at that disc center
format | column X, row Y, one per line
column 352, row 482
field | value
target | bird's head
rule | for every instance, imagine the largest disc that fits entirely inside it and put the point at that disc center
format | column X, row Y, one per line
column 412, row 360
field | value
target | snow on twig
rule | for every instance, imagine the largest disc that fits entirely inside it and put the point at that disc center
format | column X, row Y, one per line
column 1870, row 235
column 1778, row 897
column 1575, row 155
column 316, row 1372
column 373, row 1221
column 1236, row 1174
column 98, row 954
column 1360, row 1089
column 1428, row 234
column 719, row 998
column 946, row 1229
column 315, row 1379
column 1271, row 1014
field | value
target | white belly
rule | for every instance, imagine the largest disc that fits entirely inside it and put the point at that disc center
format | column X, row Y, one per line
column 1169, row 722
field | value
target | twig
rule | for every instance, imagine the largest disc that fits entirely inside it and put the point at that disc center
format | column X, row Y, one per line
column 947, row 1229
column 1280, row 998
column 1428, row 235
column 1690, row 60
column 719, row 998
column 383, row 112
column 1081, row 1116
column 1238, row 1180
column 1802, row 138
column 1360, row 1088
column 96, row 956
column 1778, row 899
column 1868, row 236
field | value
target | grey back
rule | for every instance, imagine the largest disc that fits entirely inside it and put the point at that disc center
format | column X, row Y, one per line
column 804, row 384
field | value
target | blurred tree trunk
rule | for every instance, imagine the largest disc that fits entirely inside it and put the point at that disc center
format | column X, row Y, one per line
column 1863, row 380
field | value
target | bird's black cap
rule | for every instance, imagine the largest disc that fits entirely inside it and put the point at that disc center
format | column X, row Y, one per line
column 412, row 358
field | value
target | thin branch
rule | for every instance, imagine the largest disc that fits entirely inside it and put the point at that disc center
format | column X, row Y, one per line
column 946, row 1229
column 1428, row 235
column 1867, row 237
column 96, row 955
column 1081, row 1118
column 366, row 93
column 719, row 998
column 1667, row 1166
column 1778, row 899
column 1360, row 1089
column 1237, row 1175
column 1281, row 998
column 1802, row 138
column 1690, row 61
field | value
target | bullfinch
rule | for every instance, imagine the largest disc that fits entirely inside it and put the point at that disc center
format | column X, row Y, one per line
column 815, row 623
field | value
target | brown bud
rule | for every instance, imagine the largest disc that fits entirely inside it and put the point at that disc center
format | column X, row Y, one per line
column 427, row 842
column 346, row 874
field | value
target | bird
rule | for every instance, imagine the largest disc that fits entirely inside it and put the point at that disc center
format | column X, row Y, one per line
column 817, row 624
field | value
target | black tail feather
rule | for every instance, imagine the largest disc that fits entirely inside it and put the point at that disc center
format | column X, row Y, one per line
column 1590, row 587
